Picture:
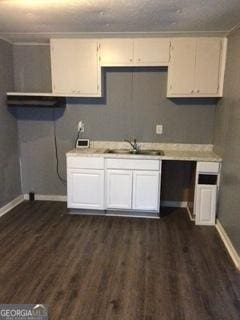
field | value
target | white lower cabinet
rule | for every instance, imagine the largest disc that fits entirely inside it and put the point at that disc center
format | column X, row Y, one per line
column 85, row 188
column 119, row 189
column 206, row 192
column 146, row 190
column 206, row 196
column 118, row 184
column 137, row 190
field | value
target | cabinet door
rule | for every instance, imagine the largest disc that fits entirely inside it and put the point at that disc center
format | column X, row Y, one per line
column 208, row 63
column 146, row 190
column 151, row 52
column 119, row 189
column 116, row 52
column 181, row 75
column 75, row 67
column 85, row 189
column 205, row 204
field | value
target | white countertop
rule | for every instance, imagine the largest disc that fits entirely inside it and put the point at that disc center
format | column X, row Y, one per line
column 195, row 154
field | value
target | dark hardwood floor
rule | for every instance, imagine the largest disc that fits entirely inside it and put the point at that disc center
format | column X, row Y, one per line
column 106, row 268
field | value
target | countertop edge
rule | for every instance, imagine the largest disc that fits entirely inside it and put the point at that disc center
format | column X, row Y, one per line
column 200, row 155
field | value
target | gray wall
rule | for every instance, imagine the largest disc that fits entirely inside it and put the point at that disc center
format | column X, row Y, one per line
column 227, row 143
column 32, row 69
column 10, row 186
column 134, row 102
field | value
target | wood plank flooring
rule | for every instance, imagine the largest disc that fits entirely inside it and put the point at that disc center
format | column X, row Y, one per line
column 107, row 268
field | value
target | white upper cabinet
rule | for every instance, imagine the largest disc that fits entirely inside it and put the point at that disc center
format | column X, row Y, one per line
column 135, row 52
column 151, row 52
column 181, row 73
column 116, row 52
column 75, row 67
column 208, row 65
column 196, row 67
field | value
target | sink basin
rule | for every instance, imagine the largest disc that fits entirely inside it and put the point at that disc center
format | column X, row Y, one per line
column 140, row 152
column 119, row 151
column 151, row 152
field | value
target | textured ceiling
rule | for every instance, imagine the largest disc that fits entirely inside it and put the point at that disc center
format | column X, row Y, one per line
column 69, row 16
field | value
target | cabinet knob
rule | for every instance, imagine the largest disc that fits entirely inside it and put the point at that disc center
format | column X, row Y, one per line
column 139, row 59
column 198, row 91
column 192, row 91
column 131, row 59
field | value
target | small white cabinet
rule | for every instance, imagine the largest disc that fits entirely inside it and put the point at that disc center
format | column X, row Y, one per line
column 181, row 73
column 206, row 204
column 146, row 190
column 135, row 52
column 208, row 66
column 85, row 182
column 196, row 67
column 206, row 191
column 116, row 52
column 151, row 52
column 75, row 67
column 119, row 189
column 86, row 189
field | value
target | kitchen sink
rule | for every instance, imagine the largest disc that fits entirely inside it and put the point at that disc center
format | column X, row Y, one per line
column 119, row 151
column 151, row 152
column 139, row 152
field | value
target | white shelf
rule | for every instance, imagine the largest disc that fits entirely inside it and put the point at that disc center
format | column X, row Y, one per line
column 33, row 94
column 50, row 94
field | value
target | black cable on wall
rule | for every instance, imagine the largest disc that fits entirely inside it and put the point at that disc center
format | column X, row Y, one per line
column 64, row 181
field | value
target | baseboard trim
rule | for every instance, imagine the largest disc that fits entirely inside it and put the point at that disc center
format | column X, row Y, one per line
column 43, row 197
column 228, row 244
column 174, row 204
column 190, row 214
column 12, row 204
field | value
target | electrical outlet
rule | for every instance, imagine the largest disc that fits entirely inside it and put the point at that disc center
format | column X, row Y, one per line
column 159, row 129
column 80, row 126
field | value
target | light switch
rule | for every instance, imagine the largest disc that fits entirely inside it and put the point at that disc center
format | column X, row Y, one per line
column 159, row 129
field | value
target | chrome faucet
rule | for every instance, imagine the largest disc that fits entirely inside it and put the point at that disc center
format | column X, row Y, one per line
column 133, row 144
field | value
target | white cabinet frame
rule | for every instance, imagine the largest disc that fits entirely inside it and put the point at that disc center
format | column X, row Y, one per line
column 206, row 198
column 85, row 189
column 133, row 184
column 146, row 190
column 75, row 67
column 134, row 52
column 196, row 67
column 206, row 195
column 119, row 189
